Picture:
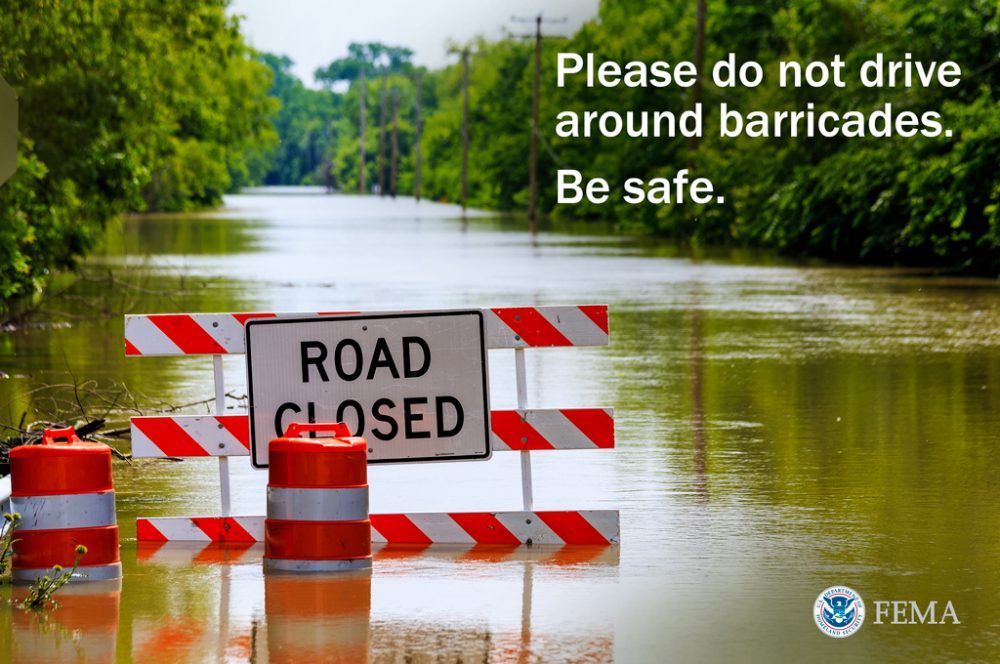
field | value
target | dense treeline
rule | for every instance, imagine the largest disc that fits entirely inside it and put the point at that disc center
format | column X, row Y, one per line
column 304, row 122
column 124, row 105
column 918, row 201
column 162, row 106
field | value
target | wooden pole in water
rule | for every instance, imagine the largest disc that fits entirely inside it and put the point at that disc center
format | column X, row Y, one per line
column 535, row 93
column 381, row 136
column 363, row 92
column 699, row 62
column 465, row 128
column 394, row 164
column 416, row 139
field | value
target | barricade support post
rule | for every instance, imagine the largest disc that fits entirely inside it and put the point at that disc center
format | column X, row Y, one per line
column 220, row 409
column 521, row 376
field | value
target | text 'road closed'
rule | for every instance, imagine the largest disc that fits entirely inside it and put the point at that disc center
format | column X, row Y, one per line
column 415, row 386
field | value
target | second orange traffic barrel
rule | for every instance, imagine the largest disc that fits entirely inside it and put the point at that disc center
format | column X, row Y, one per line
column 317, row 501
column 63, row 491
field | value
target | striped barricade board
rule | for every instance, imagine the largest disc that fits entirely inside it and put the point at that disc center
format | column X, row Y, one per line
column 222, row 334
column 521, row 430
column 183, row 554
column 159, row 436
column 584, row 527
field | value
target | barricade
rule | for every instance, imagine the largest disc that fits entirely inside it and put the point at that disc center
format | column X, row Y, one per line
column 524, row 430
column 317, row 502
column 64, row 493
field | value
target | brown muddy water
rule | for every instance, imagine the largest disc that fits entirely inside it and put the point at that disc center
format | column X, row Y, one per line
column 781, row 428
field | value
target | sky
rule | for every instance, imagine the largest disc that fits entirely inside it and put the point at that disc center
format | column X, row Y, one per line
column 315, row 32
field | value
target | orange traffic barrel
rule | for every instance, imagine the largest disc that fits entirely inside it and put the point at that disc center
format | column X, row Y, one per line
column 82, row 628
column 317, row 501
column 319, row 618
column 63, row 491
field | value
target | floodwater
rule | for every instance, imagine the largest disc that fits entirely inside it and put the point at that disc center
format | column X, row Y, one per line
column 781, row 428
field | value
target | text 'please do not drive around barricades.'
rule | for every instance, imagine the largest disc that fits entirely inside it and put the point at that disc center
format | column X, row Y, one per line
column 63, row 491
column 317, row 501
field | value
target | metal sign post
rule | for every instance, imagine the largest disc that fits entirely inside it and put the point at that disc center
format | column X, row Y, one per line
column 8, row 131
column 220, row 409
column 521, row 375
column 414, row 385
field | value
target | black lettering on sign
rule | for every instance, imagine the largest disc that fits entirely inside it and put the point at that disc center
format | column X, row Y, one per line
column 338, row 360
column 282, row 409
column 385, row 419
column 459, row 416
column 382, row 358
column 408, row 370
column 351, row 403
column 409, row 417
column 315, row 360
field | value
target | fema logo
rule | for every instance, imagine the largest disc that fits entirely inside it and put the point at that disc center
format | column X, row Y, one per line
column 839, row 612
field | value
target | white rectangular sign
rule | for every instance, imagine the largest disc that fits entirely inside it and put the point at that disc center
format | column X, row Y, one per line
column 414, row 385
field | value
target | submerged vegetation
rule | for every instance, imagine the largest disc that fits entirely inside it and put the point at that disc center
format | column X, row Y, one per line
column 151, row 106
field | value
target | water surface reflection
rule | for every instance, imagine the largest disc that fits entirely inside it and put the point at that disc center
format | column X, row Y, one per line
column 433, row 603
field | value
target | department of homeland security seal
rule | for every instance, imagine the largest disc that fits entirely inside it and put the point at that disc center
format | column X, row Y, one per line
column 839, row 611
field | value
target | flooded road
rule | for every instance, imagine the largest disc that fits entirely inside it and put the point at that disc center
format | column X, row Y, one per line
column 780, row 429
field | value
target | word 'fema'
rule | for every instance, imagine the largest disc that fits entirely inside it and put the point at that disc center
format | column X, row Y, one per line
column 908, row 612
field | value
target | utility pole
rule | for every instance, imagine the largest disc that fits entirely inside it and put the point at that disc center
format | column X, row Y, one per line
column 535, row 104
column 464, row 53
column 699, row 62
column 381, row 136
column 363, row 91
column 416, row 138
column 465, row 128
column 535, row 93
column 394, row 164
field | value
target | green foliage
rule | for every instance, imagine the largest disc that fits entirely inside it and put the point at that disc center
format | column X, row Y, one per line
column 123, row 106
column 371, row 57
column 499, row 128
column 920, row 201
column 304, row 123
column 7, row 528
column 388, row 71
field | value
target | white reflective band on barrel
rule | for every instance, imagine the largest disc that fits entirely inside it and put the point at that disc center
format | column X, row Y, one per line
column 340, row 565
column 71, row 510
column 349, row 504
column 88, row 573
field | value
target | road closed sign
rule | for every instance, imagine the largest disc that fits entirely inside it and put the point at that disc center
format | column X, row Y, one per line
column 415, row 386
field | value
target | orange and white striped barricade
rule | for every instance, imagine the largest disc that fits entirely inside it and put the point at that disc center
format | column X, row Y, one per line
column 64, row 493
column 83, row 628
column 317, row 502
column 525, row 430
column 319, row 618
